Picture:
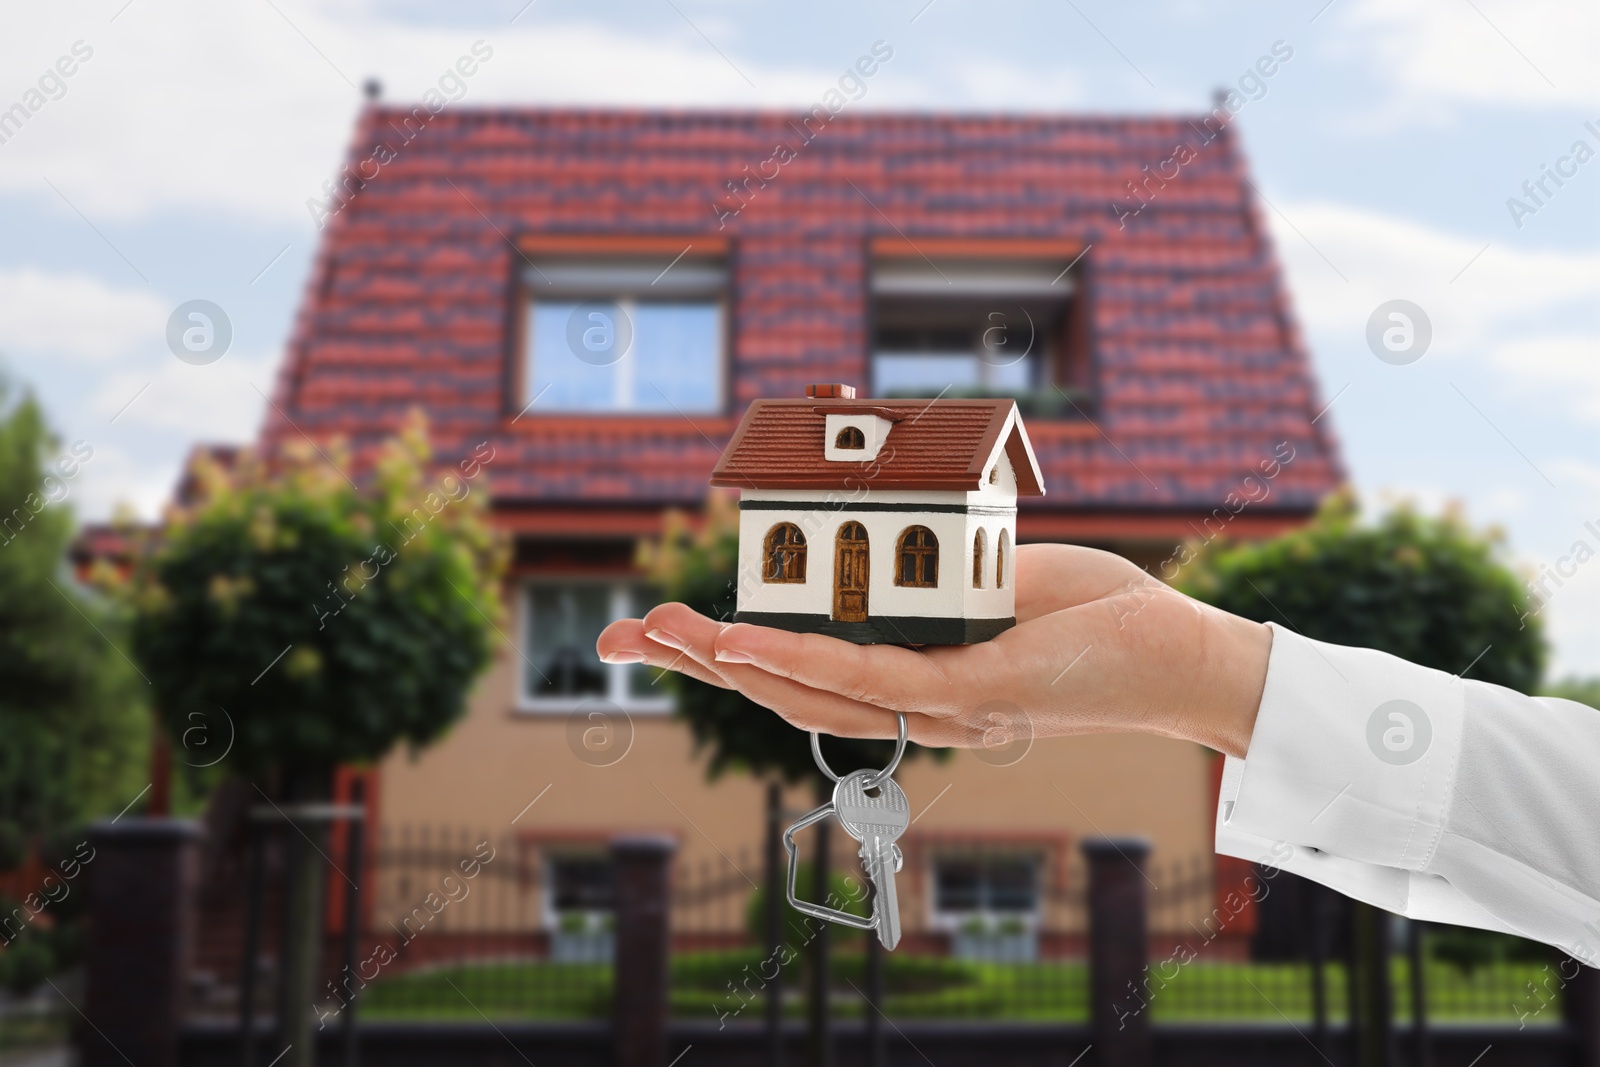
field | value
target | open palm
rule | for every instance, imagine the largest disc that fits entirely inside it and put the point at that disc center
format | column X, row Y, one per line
column 1099, row 646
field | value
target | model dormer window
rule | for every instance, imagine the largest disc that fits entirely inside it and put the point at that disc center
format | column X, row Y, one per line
column 856, row 437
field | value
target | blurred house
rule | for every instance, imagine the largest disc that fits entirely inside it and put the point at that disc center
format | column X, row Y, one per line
column 599, row 294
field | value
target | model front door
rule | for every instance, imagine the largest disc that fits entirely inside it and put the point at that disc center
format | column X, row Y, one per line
column 850, row 574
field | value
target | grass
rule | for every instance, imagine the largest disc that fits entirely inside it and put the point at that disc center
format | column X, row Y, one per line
column 31, row 1029
column 727, row 983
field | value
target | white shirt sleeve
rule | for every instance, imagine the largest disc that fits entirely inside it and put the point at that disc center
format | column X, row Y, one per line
column 1429, row 796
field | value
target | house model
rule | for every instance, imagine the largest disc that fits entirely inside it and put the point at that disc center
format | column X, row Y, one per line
column 879, row 521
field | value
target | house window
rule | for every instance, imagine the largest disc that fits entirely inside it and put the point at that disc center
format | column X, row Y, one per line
column 560, row 668
column 1000, row 555
column 850, row 437
column 580, row 901
column 625, row 334
column 979, row 550
column 917, row 561
column 977, row 328
column 996, row 886
column 785, row 557
column 581, row 883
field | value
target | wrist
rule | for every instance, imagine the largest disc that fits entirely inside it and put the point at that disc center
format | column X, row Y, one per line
column 1233, row 675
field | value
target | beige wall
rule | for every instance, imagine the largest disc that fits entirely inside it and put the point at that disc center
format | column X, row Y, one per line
column 496, row 760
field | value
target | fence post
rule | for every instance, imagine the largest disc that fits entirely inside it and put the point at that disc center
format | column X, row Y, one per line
column 772, row 923
column 640, row 973
column 1372, row 1004
column 819, row 1050
column 142, row 884
column 1580, row 1005
column 1118, row 942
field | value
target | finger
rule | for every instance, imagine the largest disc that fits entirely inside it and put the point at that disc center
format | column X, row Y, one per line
column 812, row 709
column 885, row 676
column 681, row 627
column 804, row 707
column 625, row 641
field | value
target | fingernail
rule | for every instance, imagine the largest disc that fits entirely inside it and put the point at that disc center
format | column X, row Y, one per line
column 661, row 637
column 622, row 657
column 733, row 655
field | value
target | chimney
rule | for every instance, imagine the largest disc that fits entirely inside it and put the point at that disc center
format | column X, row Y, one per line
column 831, row 391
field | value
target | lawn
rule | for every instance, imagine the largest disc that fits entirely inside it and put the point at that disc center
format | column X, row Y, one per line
column 31, row 1025
column 727, row 983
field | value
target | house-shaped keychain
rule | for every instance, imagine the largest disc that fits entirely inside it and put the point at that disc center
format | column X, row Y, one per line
column 879, row 521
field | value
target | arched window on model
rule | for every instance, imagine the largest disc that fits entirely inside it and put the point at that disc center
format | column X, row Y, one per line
column 850, row 437
column 785, row 558
column 1000, row 559
column 917, row 558
column 980, row 548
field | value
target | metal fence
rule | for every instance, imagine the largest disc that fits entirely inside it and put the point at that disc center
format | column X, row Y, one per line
column 472, row 941
column 464, row 925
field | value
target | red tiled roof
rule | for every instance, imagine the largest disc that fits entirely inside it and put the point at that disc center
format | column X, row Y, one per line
column 1199, row 372
column 937, row 445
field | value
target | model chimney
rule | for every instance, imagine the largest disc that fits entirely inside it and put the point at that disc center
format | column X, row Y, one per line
column 831, row 391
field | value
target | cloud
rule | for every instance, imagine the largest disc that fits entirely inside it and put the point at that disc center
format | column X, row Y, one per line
column 1504, row 54
column 1567, row 364
column 248, row 107
column 216, row 402
column 75, row 316
column 1522, row 312
column 113, row 476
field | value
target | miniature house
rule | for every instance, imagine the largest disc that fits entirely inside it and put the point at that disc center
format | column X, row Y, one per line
column 879, row 521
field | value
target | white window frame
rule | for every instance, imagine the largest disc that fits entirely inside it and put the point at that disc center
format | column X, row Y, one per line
column 622, row 606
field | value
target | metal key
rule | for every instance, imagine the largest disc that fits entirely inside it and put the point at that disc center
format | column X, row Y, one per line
column 876, row 822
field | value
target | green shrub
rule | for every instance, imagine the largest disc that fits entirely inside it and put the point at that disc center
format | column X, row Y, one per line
column 1429, row 590
column 846, row 892
column 327, row 622
column 26, row 963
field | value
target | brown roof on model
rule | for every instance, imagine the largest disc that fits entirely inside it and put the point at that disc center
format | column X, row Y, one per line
column 933, row 445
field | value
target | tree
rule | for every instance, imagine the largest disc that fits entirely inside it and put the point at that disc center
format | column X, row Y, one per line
column 1429, row 590
column 72, row 716
column 315, row 623
column 697, row 562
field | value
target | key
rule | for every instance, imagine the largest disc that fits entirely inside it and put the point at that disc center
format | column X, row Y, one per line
column 876, row 822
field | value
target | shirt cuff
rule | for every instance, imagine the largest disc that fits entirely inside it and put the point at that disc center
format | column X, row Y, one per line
column 1353, row 755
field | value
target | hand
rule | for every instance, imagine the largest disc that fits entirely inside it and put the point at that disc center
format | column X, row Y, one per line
column 1099, row 647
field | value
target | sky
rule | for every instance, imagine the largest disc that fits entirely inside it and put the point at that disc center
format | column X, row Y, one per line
column 1391, row 151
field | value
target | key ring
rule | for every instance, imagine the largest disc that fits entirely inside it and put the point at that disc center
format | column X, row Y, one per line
column 887, row 772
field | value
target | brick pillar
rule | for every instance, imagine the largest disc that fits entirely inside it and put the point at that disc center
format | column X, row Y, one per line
column 640, row 982
column 142, row 883
column 1118, row 936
